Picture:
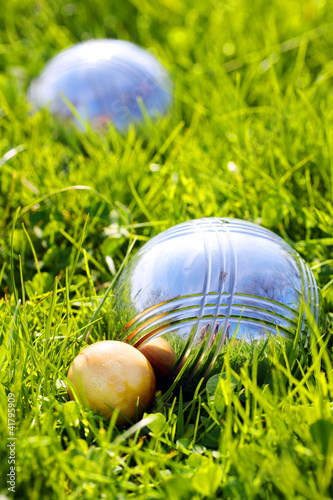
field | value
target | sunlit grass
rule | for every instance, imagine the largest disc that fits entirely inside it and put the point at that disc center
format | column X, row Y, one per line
column 250, row 136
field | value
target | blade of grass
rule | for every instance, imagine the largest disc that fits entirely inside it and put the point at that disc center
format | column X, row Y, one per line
column 105, row 296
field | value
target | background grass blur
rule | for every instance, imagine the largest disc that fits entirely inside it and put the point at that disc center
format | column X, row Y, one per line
column 250, row 136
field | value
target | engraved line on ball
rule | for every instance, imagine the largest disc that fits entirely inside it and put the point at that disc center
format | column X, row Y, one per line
column 162, row 313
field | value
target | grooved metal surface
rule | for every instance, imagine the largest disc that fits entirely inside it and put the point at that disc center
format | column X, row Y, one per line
column 208, row 282
column 103, row 80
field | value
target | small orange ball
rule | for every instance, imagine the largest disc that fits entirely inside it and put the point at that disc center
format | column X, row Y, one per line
column 161, row 355
column 110, row 375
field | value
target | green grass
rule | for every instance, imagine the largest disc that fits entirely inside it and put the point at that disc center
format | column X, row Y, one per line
column 250, row 136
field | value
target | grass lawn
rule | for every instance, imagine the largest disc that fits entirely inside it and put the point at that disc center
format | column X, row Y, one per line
column 250, row 136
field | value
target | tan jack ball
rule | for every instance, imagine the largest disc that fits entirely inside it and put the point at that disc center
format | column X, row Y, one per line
column 111, row 375
column 161, row 355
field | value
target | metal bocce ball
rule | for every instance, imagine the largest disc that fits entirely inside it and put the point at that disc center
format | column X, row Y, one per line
column 211, row 283
column 104, row 80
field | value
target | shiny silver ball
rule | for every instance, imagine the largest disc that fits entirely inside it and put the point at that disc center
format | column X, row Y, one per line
column 211, row 283
column 102, row 81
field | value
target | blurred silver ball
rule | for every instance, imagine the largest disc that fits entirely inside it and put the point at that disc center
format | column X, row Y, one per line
column 208, row 282
column 104, row 80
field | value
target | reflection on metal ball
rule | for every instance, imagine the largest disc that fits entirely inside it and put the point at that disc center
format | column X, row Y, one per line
column 104, row 80
column 210, row 282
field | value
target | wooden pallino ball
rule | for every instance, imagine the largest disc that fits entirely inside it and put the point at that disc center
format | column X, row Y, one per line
column 111, row 375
